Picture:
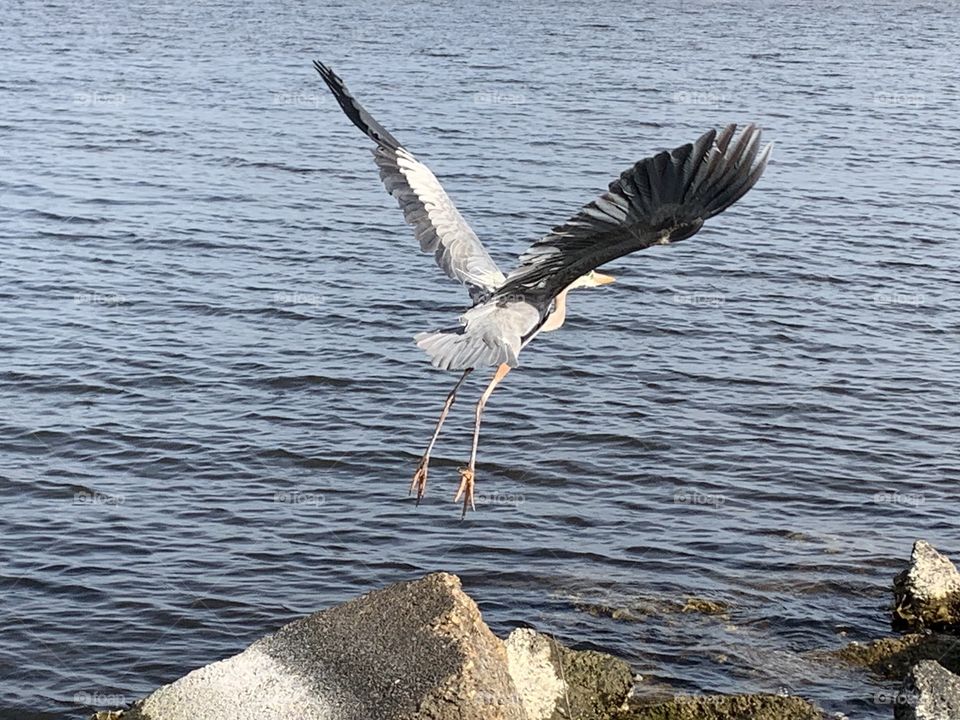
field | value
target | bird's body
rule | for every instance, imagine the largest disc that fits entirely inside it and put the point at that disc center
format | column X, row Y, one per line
column 660, row 200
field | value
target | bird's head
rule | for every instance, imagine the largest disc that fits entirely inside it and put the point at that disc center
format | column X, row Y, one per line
column 591, row 279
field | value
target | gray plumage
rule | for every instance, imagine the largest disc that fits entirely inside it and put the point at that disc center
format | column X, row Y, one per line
column 492, row 333
column 662, row 199
column 436, row 222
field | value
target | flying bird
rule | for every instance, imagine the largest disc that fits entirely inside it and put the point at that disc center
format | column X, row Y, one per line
column 660, row 200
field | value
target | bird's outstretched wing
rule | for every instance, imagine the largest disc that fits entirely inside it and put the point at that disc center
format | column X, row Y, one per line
column 662, row 199
column 437, row 224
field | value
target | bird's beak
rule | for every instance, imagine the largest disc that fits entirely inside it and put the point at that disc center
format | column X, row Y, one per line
column 602, row 279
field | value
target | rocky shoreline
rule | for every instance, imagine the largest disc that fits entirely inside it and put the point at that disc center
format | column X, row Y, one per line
column 925, row 660
column 421, row 650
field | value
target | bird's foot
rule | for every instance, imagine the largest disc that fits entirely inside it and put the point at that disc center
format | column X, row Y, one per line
column 419, row 482
column 466, row 490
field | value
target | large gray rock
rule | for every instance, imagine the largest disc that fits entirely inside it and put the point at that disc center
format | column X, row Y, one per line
column 930, row 692
column 412, row 651
column 416, row 650
column 927, row 594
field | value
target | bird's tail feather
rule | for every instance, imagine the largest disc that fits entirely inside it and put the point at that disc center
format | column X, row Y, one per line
column 491, row 333
column 459, row 349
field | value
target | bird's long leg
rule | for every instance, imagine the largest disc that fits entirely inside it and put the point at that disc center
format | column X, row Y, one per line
column 467, row 473
column 419, row 482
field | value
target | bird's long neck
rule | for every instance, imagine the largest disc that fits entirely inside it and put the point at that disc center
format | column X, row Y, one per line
column 559, row 313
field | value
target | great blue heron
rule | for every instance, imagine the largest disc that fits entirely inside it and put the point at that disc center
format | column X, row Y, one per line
column 661, row 199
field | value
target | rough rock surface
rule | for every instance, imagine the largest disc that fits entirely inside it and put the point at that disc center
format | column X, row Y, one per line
column 724, row 707
column 556, row 682
column 412, row 651
column 927, row 594
column 930, row 692
column 416, row 650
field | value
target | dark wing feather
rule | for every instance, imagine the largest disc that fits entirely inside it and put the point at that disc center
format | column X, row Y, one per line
column 662, row 199
column 437, row 223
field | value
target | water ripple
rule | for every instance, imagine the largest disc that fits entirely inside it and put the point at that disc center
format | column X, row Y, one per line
column 207, row 308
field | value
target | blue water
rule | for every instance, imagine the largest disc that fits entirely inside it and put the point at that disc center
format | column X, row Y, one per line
column 211, row 406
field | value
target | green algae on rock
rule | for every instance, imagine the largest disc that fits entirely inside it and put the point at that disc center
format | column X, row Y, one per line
column 724, row 707
column 892, row 658
column 640, row 609
column 705, row 607
column 595, row 682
